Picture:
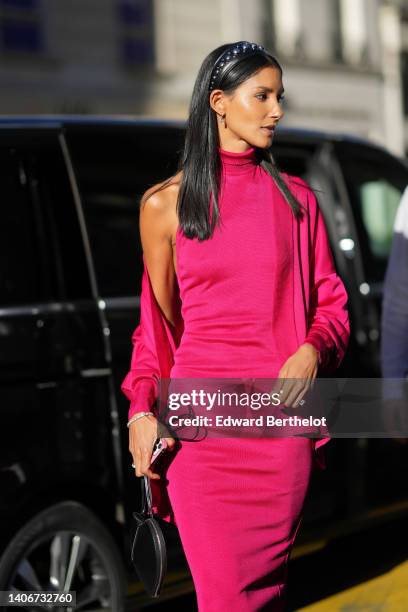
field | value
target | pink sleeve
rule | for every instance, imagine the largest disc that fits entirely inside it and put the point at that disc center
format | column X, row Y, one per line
column 328, row 319
column 154, row 342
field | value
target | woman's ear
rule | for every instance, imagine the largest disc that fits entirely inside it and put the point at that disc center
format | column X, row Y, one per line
column 217, row 101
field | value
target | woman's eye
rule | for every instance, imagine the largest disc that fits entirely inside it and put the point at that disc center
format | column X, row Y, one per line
column 263, row 96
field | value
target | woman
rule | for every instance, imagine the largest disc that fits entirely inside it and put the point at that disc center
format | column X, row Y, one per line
column 238, row 281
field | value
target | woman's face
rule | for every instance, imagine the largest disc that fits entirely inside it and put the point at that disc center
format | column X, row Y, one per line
column 251, row 112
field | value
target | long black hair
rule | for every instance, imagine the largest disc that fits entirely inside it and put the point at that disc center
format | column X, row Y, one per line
column 200, row 161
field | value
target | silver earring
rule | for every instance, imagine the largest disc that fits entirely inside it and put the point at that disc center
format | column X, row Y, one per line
column 222, row 119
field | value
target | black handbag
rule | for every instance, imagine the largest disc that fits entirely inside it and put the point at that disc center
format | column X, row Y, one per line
column 149, row 554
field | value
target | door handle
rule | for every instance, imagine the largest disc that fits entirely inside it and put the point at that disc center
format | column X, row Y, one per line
column 95, row 372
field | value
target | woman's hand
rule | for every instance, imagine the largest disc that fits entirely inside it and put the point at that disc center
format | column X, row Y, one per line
column 142, row 436
column 302, row 365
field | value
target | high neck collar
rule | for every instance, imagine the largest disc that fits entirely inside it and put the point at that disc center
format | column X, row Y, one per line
column 238, row 163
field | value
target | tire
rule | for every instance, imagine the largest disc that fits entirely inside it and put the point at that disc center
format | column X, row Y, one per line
column 66, row 542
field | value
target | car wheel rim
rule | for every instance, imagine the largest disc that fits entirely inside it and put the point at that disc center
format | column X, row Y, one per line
column 65, row 561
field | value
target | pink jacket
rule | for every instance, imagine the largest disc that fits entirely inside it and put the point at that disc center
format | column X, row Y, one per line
column 321, row 318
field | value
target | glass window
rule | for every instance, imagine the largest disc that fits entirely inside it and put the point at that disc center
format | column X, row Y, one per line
column 379, row 203
column 20, row 4
column 51, row 187
column 335, row 30
column 20, row 26
column 375, row 182
column 114, row 167
column 22, row 250
column 136, row 26
column 42, row 251
column 404, row 79
column 293, row 160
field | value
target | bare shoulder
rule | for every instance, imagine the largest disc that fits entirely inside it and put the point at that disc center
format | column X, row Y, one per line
column 158, row 204
column 160, row 196
column 158, row 224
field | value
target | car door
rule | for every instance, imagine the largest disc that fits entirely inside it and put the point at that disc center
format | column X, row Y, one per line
column 114, row 164
column 373, row 182
column 53, row 343
column 25, row 393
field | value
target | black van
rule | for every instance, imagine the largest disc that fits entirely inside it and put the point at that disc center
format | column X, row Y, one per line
column 71, row 268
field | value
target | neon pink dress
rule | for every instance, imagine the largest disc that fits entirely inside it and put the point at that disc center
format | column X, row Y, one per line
column 260, row 287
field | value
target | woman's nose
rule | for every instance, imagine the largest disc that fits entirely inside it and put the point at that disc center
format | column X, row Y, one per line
column 276, row 114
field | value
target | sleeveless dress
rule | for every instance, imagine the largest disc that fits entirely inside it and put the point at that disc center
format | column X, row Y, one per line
column 238, row 501
column 248, row 296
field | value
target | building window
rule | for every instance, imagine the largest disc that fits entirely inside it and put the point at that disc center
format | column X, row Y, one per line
column 336, row 36
column 268, row 33
column 136, row 32
column 21, row 27
column 354, row 33
column 286, row 15
column 404, row 80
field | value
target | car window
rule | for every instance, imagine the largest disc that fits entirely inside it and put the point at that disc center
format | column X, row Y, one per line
column 51, row 188
column 293, row 159
column 114, row 166
column 375, row 182
column 379, row 203
column 23, row 250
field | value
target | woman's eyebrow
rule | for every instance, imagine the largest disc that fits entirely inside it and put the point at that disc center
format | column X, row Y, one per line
column 268, row 89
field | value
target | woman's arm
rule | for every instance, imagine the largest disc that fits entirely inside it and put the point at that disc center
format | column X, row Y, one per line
column 158, row 223
column 328, row 319
column 160, row 316
column 159, row 320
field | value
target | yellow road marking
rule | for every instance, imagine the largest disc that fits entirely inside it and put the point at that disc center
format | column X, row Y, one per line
column 386, row 593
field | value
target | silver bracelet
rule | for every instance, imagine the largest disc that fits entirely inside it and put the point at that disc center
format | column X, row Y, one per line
column 139, row 415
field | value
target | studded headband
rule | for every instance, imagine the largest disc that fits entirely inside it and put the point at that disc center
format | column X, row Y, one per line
column 231, row 53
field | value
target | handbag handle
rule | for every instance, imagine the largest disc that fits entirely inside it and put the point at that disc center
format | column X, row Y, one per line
column 146, row 497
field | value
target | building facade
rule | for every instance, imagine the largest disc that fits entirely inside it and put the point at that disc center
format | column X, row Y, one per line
column 345, row 62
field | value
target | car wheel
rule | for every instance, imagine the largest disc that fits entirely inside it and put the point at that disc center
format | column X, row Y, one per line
column 66, row 547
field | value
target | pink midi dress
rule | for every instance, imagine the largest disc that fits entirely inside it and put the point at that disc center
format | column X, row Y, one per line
column 249, row 296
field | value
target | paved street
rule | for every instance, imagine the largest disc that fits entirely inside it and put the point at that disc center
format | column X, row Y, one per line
column 364, row 572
